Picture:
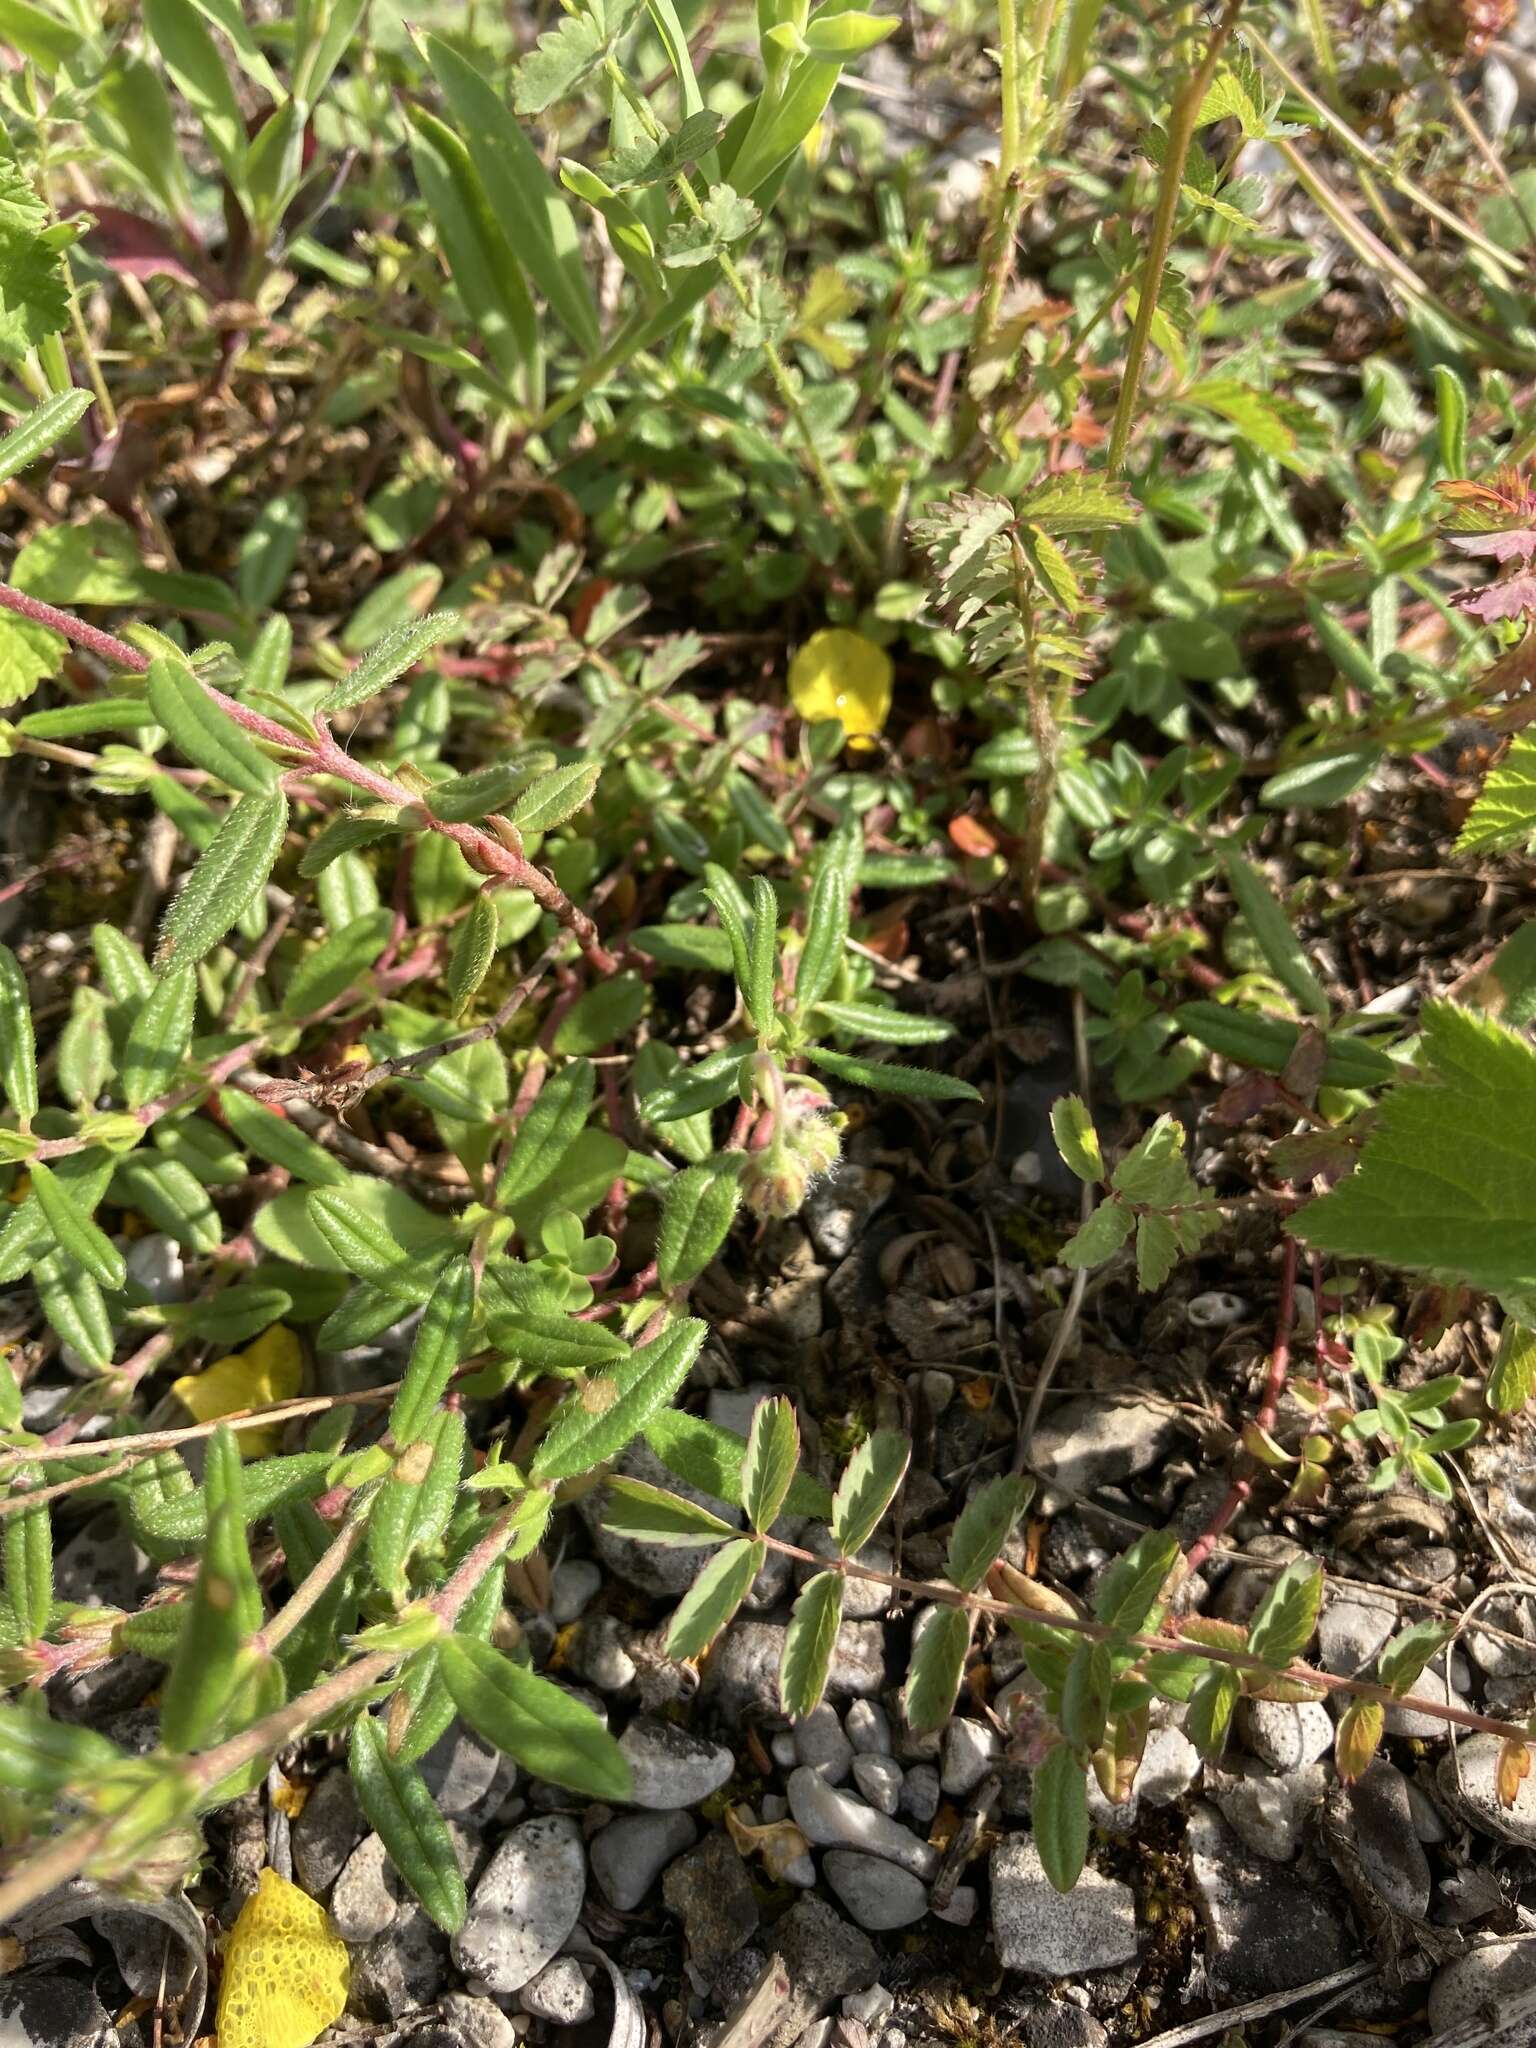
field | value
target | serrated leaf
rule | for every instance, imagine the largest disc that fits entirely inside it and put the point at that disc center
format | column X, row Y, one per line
column 552, row 1735
column 1356, row 1739
column 773, row 1452
column 558, row 63
column 986, row 1522
column 649, row 1514
column 1447, row 1178
column 401, row 1811
column 886, row 1077
column 389, row 658
column 1211, row 1703
column 1058, row 1807
column 868, row 1486
column 580, row 1438
column 1127, row 1598
column 553, row 798
column 714, row 1597
column 233, row 869
column 1400, row 1665
column 1287, row 1615
column 938, row 1662
column 1512, row 1381
column 203, row 731
column 704, row 1455
column 1504, row 814
column 1076, row 1138
column 697, row 1211
column 809, row 1642
column 1100, row 1237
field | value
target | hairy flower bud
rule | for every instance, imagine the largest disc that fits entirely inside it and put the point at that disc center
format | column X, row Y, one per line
column 774, row 1183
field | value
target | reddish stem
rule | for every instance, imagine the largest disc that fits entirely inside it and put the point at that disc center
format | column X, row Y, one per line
column 1241, row 1490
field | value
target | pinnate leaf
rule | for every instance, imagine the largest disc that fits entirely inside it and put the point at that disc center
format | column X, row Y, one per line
column 714, row 1597
column 809, row 1642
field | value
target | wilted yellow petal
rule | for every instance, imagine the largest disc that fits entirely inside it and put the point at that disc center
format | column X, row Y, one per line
column 842, row 674
column 285, row 1970
column 269, row 1370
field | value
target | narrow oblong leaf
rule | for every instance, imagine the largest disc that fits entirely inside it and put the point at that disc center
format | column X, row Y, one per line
column 583, row 1435
column 697, row 1212
column 203, row 731
column 44, row 425
column 18, row 1043
column 809, row 1642
column 762, row 953
column 714, row 1597
column 888, row 1077
column 1211, row 1703
column 1271, row 929
column 773, row 1452
column 366, row 1246
column 28, row 1547
column 275, row 1138
column 159, row 1037
column 826, row 933
column 74, row 1230
column 1058, row 1808
column 650, row 1514
column 436, row 1351
column 1076, row 1138
column 402, row 1813
column 885, row 1025
column 225, row 1606
column 938, row 1661
column 338, row 963
column 233, row 869
column 552, row 1735
column 547, row 1133
column 388, row 659
column 867, row 1488
column 474, row 948
column 553, row 798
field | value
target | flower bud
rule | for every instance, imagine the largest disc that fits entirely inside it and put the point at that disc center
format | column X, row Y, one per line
column 774, row 1183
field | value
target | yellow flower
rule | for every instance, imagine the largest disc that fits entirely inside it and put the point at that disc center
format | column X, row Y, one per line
column 843, row 675
column 269, row 1370
column 285, row 1970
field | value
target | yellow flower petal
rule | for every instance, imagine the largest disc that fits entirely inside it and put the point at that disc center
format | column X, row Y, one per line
column 271, row 1369
column 285, row 1970
column 841, row 674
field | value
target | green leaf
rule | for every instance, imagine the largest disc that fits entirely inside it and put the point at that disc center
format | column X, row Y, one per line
column 553, row 798
column 554, row 1342
column 1127, row 1598
column 414, row 1505
column 1076, row 1138
column 714, row 1597
column 887, row 1026
column 159, row 1038
column 1058, row 1810
column 18, row 1043
column 1447, row 1178
column 697, row 1211
column 809, row 1642
column 553, row 1736
column 519, row 189
column 826, row 933
column 885, row 1077
column 773, row 1453
column 28, row 1546
column 580, row 1438
column 843, row 36
column 173, row 1198
column 205, row 733
column 44, row 1758
column 193, row 60
column 547, row 1133
column 435, row 1352
column 275, row 1138
column 558, row 63
column 44, row 426
column 1271, row 929
column 1512, row 1381
column 939, row 1651
column 1211, row 1704
column 74, row 1231
column 1505, row 812
column 1100, row 1237
column 474, row 948
column 28, row 654
column 230, row 874
column 389, row 658
column 1287, row 1615
column 481, row 257
column 985, row 1523
column 649, row 1514
column 1268, row 1042
column 400, row 1810
column 1402, row 1662
column 704, row 1455
column 363, row 1244
column 602, row 1016
column 463, row 798
column 225, row 1608
column 867, row 1488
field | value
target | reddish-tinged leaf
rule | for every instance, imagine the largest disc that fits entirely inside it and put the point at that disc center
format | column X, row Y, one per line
column 1516, row 544
column 136, row 247
column 1514, row 1766
column 971, row 837
column 1358, row 1734
column 1514, row 598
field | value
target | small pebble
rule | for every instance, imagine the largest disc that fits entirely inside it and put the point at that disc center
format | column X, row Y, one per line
column 970, row 1751
column 879, row 1778
column 574, row 1584
column 821, row 1745
column 868, row 1728
column 878, row 1895
column 870, row 2006
column 560, row 1993
column 920, row 1793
